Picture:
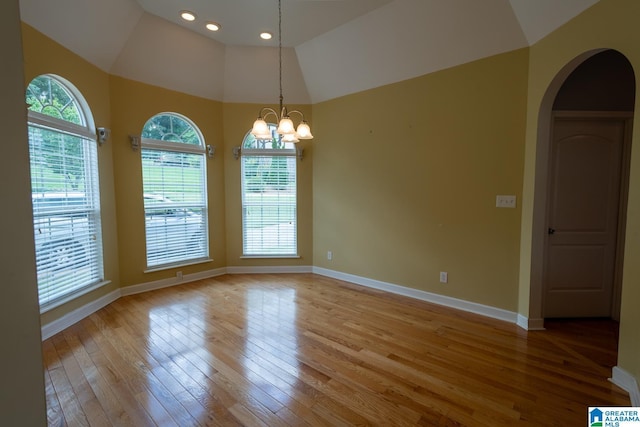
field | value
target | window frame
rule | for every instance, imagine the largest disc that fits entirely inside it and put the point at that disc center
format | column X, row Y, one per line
column 54, row 291
column 288, row 152
column 151, row 145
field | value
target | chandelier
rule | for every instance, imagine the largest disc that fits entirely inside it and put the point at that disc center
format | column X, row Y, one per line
column 286, row 129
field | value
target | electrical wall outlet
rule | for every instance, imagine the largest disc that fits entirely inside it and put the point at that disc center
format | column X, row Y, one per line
column 329, row 255
column 444, row 277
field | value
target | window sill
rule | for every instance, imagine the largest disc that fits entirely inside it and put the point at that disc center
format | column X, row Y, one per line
column 270, row 257
column 178, row 264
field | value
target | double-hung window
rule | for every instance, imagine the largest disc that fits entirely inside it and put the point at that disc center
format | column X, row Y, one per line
column 269, row 207
column 65, row 191
column 175, row 192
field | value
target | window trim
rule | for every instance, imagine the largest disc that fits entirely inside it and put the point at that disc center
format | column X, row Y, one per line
column 87, row 134
column 271, row 256
column 267, row 152
column 194, row 261
column 53, row 123
column 283, row 152
column 187, row 148
column 178, row 147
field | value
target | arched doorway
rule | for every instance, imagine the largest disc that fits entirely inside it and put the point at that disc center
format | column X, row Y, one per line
column 573, row 276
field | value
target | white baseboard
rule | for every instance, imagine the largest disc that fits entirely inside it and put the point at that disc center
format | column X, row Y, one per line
column 269, row 269
column 171, row 281
column 523, row 322
column 58, row 325
column 628, row 383
column 484, row 310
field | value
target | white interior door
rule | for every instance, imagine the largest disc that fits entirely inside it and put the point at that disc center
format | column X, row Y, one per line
column 586, row 158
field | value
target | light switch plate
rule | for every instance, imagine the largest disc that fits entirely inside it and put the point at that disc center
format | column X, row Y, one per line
column 505, row 201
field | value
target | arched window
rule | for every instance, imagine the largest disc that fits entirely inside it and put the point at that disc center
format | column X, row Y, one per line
column 175, row 192
column 269, row 207
column 65, row 191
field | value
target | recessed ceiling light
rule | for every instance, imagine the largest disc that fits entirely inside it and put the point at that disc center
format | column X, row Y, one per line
column 266, row 36
column 213, row 26
column 188, row 16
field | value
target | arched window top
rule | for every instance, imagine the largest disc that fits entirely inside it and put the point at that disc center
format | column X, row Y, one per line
column 172, row 127
column 250, row 142
column 54, row 97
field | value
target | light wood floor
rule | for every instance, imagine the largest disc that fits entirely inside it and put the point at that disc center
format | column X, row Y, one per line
column 302, row 349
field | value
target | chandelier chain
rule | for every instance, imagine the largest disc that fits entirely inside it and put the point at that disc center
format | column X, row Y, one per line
column 280, row 50
column 286, row 129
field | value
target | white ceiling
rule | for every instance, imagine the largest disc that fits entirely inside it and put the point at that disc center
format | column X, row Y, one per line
column 243, row 20
column 332, row 47
column 540, row 17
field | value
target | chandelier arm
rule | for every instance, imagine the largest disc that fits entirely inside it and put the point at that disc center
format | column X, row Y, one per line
column 266, row 112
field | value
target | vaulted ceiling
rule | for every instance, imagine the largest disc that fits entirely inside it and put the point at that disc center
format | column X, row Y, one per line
column 331, row 47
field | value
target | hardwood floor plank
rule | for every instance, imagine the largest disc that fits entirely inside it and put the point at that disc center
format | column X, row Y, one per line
column 337, row 413
column 120, row 375
column 215, row 381
column 108, row 402
column 178, row 373
column 307, row 350
column 55, row 416
column 67, row 397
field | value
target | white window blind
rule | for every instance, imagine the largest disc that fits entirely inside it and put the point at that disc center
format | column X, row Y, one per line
column 66, row 213
column 65, row 191
column 269, row 206
column 174, row 185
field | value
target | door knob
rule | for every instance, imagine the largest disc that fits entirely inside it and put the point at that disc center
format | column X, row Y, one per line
column 551, row 230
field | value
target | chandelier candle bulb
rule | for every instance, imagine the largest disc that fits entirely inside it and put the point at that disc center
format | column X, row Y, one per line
column 290, row 137
column 304, row 131
column 286, row 127
column 260, row 127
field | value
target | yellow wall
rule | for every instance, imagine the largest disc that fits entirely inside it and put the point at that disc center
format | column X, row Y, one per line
column 133, row 103
column 22, row 396
column 238, row 120
column 406, row 177
column 608, row 24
